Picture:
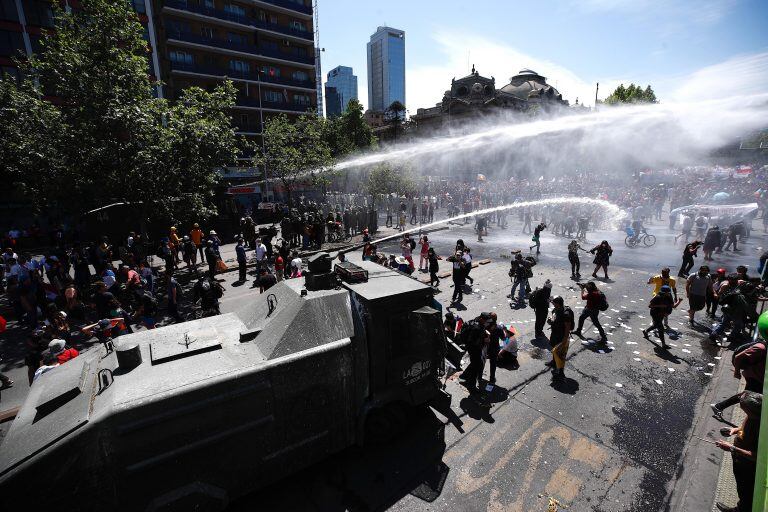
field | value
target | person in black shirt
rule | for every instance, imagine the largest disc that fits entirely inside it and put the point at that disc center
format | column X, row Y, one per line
column 661, row 305
column 540, row 302
column 561, row 324
column 102, row 299
column 473, row 335
column 536, row 237
column 689, row 253
column 266, row 280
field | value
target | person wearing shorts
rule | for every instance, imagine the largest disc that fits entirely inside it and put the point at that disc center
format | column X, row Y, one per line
column 696, row 288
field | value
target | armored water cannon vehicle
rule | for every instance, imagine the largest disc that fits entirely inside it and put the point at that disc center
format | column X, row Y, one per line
column 193, row 415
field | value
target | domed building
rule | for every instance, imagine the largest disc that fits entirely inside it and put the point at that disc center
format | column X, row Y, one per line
column 475, row 97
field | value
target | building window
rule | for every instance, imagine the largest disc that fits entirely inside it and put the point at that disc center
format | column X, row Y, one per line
column 235, row 10
column 209, row 4
column 177, row 28
column 273, row 96
column 273, row 19
column 180, row 57
column 239, row 66
column 236, row 38
column 139, row 6
column 244, row 122
column 8, row 11
column 270, row 71
column 298, row 26
column 301, row 76
column 206, row 32
column 39, row 13
column 10, row 73
column 301, row 99
column 262, row 16
column 10, row 42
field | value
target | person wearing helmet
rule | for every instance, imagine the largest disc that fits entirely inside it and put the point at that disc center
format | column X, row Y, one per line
column 661, row 306
column 197, row 235
column 561, row 324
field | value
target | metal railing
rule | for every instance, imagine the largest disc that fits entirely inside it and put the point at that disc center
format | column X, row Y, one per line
column 290, row 5
column 254, row 76
column 278, row 105
column 240, row 47
column 237, row 18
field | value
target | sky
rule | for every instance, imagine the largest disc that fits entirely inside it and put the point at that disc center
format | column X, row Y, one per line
column 684, row 49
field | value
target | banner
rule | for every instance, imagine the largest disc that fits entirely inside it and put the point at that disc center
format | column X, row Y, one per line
column 717, row 210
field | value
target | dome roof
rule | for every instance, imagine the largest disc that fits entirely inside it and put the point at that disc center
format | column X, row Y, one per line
column 527, row 83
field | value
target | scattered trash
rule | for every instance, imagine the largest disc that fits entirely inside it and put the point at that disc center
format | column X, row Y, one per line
column 636, row 352
column 671, row 369
column 686, row 351
column 710, row 364
column 489, row 387
column 707, row 374
column 658, row 382
column 637, row 359
column 619, row 385
column 601, row 351
column 631, row 343
column 615, row 310
column 718, row 357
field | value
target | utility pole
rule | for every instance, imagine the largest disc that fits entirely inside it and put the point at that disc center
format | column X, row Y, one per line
column 597, row 88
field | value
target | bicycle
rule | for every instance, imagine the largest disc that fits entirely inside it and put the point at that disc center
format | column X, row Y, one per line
column 646, row 239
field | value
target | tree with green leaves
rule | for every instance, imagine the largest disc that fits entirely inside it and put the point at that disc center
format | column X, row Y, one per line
column 632, row 94
column 105, row 137
column 384, row 180
column 294, row 151
column 348, row 133
column 395, row 113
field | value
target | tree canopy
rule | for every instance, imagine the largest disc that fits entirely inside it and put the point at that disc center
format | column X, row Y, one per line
column 384, row 180
column 294, row 151
column 632, row 94
column 83, row 128
column 348, row 133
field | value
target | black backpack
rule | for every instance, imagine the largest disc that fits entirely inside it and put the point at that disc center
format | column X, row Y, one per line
column 413, row 244
column 533, row 299
column 603, row 304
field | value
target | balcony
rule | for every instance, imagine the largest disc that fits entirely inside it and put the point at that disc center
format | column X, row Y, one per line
column 285, row 4
column 239, row 47
column 275, row 105
column 236, row 18
column 242, row 75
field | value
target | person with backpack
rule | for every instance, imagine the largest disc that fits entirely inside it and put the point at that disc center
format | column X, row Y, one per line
column 561, row 325
column 661, row 306
column 208, row 292
column 603, row 253
column 735, row 308
column 661, row 280
column 520, row 271
column 595, row 303
column 539, row 301
column 459, row 277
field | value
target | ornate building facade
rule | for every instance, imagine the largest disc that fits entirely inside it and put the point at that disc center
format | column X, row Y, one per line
column 476, row 97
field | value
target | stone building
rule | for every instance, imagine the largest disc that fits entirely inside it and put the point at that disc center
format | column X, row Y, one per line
column 476, row 97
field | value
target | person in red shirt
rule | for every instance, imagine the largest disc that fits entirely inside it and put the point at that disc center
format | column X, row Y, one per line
column 59, row 350
column 279, row 268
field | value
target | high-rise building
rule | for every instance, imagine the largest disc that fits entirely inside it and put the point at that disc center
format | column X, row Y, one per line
column 340, row 87
column 386, row 68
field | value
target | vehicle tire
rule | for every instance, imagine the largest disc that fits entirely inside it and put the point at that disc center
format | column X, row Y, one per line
column 630, row 242
column 649, row 240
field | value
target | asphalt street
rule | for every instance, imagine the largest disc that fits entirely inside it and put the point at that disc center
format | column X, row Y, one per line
column 615, row 436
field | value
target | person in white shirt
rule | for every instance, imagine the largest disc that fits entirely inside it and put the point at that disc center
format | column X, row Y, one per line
column 468, row 265
column 261, row 255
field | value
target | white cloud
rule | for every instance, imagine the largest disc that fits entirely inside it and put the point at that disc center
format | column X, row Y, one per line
column 696, row 12
column 742, row 75
column 425, row 85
